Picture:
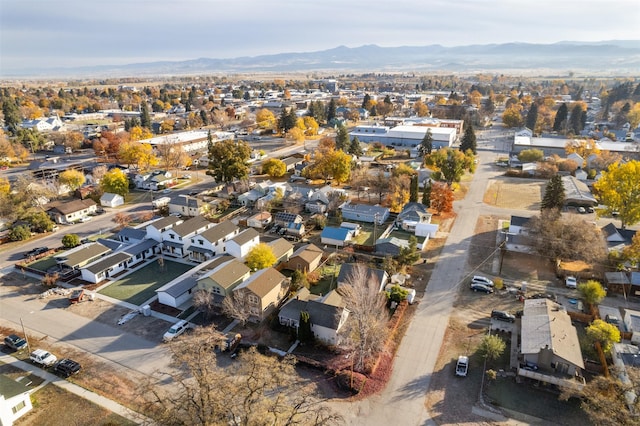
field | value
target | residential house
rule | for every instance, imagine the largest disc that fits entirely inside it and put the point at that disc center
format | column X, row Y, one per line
column 336, row 236
column 223, row 279
column 619, row 282
column 142, row 250
column 70, row 211
column 177, row 239
column 154, row 181
column 411, row 215
column 631, row 320
column 617, row 238
column 260, row 220
column 156, row 228
column 212, row 241
column 131, row 235
column 106, row 267
column 110, row 199
column 351, row 271
column 306, row 259
column 365, row 213
column 15, row 400
column 327, row 314
column 284, row 218
column 44, row 124
column 626, row 356
column 577, row 158
column 240, row 245
column 318, row 201
column 262, row 292
column 186, row 205
column 577, row 193
column 292, row 162
column 282, row 250
column 550, row 341
column 82, row 255
column 390, row 246
column 295, row 229
column 178, row 293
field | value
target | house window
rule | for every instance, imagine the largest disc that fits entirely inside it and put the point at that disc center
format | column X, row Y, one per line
column 201, row 242
column 173, row 237
column 18, row 407
column 253, row 299
column 216, row 290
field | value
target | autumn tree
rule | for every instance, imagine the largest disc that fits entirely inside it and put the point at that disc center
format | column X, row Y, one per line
column 450, row 162
column 491, row 347
column 235, row 306
column 265, row 119
column 330, row 163
column 604, row 333
column 531, row 155
column 553, row 194
column 469, row 140
column 115, row 181
column 566, row 237
column 592, row 292
column 228, row 160
column 203, row 301
column 619, row 190
column 260, row 257
column 399, row 192
column 72, row 178
column 441, row 198
column 171, row 156
column 512, row 117
column 274, row 167
column 631, row 253
column 366, row 329
column 257, row 389
column 584, row 148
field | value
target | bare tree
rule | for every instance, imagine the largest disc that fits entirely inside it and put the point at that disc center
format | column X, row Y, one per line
column 255, row 390
column 203, row 301
column 98, row 173
column 236, row 307
column 366, row 328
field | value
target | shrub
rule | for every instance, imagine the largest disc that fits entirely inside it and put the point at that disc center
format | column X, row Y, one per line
column 20, row 233
column 351, row 381
column 70, row 241
column 498, row 283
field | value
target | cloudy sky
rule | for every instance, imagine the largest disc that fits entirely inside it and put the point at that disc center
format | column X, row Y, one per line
column 70, row 33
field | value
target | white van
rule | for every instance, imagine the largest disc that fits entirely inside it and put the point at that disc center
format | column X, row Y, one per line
column 176, row 330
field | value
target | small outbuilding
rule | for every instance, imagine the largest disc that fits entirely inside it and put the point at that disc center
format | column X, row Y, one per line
column 109, row 199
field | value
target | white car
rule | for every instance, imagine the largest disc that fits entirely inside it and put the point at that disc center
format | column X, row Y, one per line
column 462, row 366
column 42, row 358
column 571, row 282
column 478, row 279
column 176, row 330
column 85, row 219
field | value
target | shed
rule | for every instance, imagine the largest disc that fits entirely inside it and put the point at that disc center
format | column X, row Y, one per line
column 110, row 199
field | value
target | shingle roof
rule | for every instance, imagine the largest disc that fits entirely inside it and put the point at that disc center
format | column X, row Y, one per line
column 84, row 253
column 228, row 273
column 308, row 253
column 324, row 315
column 132, row 233
column 219, row 231
column 245, row 236
column 192, row 225
column 108, row 262
column 348, row 270
column 72, row 206
column 140, row 247
column 263, row 281
column 165, row 222
column 280, row 247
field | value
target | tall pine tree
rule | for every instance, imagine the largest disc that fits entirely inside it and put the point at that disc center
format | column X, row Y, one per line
column 413, row 189
column 342, row 138
column 469, row 140
column 145, row 118
column 553, row 194
column 426, row 146
column 561, row 117
column 532, row 117
column 426, row 194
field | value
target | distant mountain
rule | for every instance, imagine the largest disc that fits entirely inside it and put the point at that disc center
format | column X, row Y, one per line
column 613, row 57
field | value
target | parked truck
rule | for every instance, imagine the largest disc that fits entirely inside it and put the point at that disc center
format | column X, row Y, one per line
column 160, row 202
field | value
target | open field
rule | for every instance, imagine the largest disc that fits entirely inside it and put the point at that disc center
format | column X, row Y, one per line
column 512, row 193
column 140, row 285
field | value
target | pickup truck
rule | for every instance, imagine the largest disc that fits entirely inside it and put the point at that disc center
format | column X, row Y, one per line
column 462, row 366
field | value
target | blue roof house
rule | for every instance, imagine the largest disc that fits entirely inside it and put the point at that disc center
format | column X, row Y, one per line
column 333, row 236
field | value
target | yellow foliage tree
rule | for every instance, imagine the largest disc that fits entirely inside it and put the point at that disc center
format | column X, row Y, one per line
column 584, row 148
column 296, row 135
column 634, row 115
column 74, row 179
column 619, row 190
column 260, row 257
column 265, row 119
column 137, row 133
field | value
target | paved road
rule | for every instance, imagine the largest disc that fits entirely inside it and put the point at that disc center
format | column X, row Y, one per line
column 94, row 337
column 402, row 401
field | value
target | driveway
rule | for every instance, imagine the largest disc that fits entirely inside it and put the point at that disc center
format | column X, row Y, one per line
column 402, row 401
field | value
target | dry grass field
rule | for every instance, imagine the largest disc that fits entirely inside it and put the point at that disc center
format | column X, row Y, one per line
column 512, row 193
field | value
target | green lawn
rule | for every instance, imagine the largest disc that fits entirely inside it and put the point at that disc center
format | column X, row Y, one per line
column 328, row 281
column 140, row 285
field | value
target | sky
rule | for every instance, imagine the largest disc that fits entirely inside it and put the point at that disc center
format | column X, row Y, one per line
column 72, row 33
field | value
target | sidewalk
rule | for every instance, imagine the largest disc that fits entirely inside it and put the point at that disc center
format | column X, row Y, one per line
column 75, row 389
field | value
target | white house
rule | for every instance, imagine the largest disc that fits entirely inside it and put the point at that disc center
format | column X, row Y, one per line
column 177, row 239
column 109, row 199
column 212, row 241
column 156, row 228
column 105, row 267
column 179, row 292
column 15, row 400
column 240, row 245
column 259, row 220
column 632, row 323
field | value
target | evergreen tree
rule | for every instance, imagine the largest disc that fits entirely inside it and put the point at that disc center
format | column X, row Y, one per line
column 575, row 119
column 532, row 117
column 342, row 139
column 355, row 148
column 366, row 100
column 426, row 146
column 145, row 118
column 469, row 140
column 561, row 117
column 204, row 118
column 553, row 194
column 331, row 110
column 11, row 114
column 426, row 194
column 387, row 100
column 304, row 330
column 413, row 189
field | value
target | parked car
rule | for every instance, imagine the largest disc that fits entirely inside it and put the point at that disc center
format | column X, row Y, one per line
column 481, row 287
column 175, row 330
column 42, row 358
column 15, row 342
column 462, row 366
column 67, row 367
column 612, row 319
column 36, row 251
column 86, row 219
column 503, row 316
column 590, row 210
column 478, row 279
column 528, row 365
column 571, row 282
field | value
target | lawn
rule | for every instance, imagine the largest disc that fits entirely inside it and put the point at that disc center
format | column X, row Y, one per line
column 140, row 285
column 327, row 282
column 43, row 264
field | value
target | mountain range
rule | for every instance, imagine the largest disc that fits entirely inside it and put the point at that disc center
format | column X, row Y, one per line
column 615, row 57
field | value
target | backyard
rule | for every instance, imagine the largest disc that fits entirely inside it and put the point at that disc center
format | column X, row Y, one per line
column 139, row 286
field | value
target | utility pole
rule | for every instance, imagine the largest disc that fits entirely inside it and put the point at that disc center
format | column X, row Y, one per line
column 25, row 335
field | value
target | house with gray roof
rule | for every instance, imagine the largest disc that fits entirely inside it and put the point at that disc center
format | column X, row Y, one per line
column 82, row 255
column 106, row 267
column 212, row 242
column 15, row 399
column 282, row 250
column 186, row 205
column 177, row 239
column 411, row 215
column 156, row 228
column 70, row 211
column 131, row 235
column 351, row 271
column 240, row 245
column 577, row 193
column 550, row 341
column 364, row 213
column 327, row 314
